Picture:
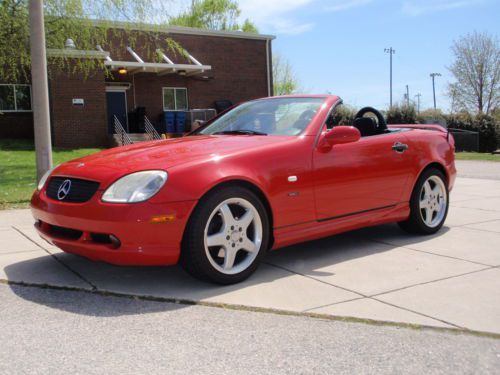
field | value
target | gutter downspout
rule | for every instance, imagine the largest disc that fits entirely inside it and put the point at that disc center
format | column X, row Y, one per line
column 269, row 89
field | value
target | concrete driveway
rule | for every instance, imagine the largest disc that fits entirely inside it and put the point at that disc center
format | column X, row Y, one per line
column 451, row 279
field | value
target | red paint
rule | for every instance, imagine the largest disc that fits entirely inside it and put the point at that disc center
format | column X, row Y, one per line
column 339, row 188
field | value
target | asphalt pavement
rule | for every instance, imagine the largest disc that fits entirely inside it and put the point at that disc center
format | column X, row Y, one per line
column 53, row 332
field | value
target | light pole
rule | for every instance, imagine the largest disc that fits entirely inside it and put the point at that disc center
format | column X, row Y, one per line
column 433, row 76
column 39, row 83
column 418, row 101
column 391, row 52
column 407, row 96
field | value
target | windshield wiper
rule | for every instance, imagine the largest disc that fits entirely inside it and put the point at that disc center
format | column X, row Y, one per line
column 241, row 131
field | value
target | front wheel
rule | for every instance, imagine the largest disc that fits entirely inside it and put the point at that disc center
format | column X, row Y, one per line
column 429, row 204
column 226, row 236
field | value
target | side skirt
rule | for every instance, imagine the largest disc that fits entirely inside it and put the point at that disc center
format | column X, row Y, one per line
column 327, row 227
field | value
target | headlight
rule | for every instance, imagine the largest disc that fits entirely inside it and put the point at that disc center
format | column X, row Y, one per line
column 135, row 187
column 44, row 179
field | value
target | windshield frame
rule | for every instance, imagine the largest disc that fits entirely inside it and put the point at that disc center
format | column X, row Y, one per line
column 321, row 100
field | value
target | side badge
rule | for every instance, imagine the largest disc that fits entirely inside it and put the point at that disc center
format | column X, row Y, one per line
column 292, row 178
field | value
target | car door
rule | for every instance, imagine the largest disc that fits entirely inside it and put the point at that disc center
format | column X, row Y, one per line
column 362, row 176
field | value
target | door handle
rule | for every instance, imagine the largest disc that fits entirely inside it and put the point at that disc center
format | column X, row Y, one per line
column 400, row 147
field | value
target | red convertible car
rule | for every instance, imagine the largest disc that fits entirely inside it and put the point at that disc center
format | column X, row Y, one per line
column 263, row 175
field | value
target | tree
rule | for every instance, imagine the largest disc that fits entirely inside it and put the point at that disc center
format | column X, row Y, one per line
column 284, row 79
column 213, row 15
column 75, row 19
column 477, row 73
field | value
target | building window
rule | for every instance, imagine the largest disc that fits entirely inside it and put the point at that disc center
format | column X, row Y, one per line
column 175, row 99
column 15, row 98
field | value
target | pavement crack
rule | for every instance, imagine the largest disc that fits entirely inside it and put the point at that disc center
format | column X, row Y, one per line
column 431, row 253
column 76, row 273
column 431, row 281
column 315, row 279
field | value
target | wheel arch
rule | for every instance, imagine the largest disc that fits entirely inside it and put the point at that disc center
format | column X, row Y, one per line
column 254, row 189
column 437, row 166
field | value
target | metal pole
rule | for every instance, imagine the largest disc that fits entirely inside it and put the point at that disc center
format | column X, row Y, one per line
column 391, row 52
column 418, row 102
column 391, row 76
column 434, row 91
column 433, row 76
column 39, row 82
column 407, row 96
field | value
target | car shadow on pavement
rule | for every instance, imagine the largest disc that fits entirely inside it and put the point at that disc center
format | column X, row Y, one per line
column 278, row 283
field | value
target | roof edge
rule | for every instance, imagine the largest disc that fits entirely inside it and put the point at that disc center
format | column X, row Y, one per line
column 184, row 30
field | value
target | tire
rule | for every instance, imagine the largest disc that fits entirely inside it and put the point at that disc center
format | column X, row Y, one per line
column 428, row 207
column 226, row 236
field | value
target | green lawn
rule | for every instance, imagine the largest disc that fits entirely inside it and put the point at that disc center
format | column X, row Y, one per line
column 18, row 170
column 476, row 156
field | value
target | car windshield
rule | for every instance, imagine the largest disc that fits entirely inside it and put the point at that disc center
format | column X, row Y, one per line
column 277, row 116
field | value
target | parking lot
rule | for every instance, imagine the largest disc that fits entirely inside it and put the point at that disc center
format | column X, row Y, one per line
column 449, row 280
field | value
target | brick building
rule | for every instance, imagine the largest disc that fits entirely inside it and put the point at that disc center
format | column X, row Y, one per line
column 216, row 65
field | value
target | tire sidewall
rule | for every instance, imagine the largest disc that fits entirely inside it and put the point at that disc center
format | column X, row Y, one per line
column 416, row 216
column 193, row 243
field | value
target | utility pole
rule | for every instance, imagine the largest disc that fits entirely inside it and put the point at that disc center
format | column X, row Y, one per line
column 433, row 76
column 391, row 52
column 407, row 96
column 418, row 101
column 39, row 83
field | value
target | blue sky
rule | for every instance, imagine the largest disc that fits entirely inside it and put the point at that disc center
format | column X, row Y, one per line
column 338, row 46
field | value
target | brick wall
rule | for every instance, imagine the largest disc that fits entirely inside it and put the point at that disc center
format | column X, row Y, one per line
column 16, row 125
column 239, row 73
column 78, row 126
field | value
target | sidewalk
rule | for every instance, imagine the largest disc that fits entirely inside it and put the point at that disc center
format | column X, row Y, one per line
column 451, row 279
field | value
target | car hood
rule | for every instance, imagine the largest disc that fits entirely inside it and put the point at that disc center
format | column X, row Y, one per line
column 106, row 166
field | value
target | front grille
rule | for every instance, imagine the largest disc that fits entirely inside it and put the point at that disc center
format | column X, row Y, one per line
column 74, row 191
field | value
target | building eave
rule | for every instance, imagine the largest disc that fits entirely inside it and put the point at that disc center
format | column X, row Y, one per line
column 77, row 53
column 184, row 30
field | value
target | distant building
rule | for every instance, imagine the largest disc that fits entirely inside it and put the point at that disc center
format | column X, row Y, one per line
column 222, row 65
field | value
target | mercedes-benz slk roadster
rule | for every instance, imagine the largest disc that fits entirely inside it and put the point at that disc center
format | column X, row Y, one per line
column 263, row 175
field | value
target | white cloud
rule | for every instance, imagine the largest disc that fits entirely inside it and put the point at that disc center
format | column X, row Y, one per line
column 339, row 5
column 419, row 7
column 276, row 16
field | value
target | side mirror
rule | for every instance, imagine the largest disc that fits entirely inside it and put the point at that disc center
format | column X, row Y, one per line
column 340, row 135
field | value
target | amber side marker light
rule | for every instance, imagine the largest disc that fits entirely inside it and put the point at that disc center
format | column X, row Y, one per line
column 160, row 219
column 122, row 71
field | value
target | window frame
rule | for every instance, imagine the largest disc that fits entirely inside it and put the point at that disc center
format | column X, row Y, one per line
column 175, row 98
column 15, row 110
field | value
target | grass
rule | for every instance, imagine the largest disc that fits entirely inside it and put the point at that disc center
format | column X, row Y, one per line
column 477, row 156
column 18, row 170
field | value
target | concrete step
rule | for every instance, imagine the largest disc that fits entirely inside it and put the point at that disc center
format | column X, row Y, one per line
column 114, row 139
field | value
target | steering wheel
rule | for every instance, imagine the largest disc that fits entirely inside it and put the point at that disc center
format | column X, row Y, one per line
column 381, row 123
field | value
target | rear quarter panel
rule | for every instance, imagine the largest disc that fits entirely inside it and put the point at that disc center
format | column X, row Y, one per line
column 428, row 147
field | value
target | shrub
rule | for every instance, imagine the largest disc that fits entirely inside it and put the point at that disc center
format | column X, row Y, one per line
column 344, row 115
column 401, row 114
column 431, row 116
column 484, row 124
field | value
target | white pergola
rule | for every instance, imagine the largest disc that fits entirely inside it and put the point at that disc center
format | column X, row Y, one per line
column 167, row 66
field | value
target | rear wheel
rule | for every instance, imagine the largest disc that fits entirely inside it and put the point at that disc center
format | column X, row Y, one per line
column 429, row 203
column 226, row 236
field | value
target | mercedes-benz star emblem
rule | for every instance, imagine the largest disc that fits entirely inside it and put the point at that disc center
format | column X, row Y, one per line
column 63, row 190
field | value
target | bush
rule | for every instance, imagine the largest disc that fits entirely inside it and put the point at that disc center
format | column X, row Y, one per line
column 344, row 115
column 431, row 116
column 401, row 114
column 485, row 125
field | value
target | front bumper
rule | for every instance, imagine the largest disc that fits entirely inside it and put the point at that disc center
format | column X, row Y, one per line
column 82, row 228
